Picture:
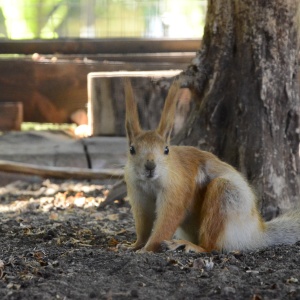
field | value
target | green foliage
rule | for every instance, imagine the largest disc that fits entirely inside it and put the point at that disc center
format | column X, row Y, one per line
column 27, row 126
column 31, row 19
column 43, row 17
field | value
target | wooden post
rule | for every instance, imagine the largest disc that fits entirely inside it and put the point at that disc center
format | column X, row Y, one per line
column 106, row 109
column 11, row 116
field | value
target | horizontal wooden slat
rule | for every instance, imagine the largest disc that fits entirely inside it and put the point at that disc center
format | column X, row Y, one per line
column 98, row 46
column 59, row 172
column 165, row 57
column 52, row 90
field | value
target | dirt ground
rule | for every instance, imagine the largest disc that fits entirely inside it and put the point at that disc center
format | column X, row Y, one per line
column 55, row 243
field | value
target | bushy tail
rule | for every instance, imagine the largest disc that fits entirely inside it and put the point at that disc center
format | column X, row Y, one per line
column 284, row 230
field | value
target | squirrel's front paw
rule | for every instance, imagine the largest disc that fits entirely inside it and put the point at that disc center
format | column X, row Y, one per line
column 150, row 247
column 126, row 246
column 142, row 250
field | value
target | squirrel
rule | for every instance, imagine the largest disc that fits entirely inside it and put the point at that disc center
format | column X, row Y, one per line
column 183, row 191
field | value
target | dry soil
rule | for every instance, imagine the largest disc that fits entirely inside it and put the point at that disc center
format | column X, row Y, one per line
column 55, row 243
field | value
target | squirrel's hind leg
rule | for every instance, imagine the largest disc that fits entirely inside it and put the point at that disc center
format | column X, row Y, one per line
column 212, row 220
column 213, row 214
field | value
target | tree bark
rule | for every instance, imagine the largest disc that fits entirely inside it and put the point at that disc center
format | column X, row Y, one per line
column 244, row 79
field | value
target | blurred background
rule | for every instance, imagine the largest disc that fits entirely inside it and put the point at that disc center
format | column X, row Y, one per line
column 49, row 47
column 51, row 19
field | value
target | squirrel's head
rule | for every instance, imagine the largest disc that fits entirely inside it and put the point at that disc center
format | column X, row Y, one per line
column 148, row 151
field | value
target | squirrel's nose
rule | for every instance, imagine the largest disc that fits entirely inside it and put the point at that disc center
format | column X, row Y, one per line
column 150, row 165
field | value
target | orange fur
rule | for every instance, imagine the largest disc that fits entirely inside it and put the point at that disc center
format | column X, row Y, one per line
column 205, row 201
column 213, row 220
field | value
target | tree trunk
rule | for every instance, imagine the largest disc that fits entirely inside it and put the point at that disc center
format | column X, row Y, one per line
column 244, row 79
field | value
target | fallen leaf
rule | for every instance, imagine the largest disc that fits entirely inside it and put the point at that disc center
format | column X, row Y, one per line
column 27, row 231
column 1, row 268
column 292, row 280
column 39, row 255
column 113, row 242
column 53, row 216
column 121, row 231
column 98, row 216
column 14, row 286
column 198, row 263
column 2, row 264
column 113, row 217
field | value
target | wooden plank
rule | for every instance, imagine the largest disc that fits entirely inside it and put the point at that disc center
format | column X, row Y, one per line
column 97, row 46
column 52, row 90
column 165, row 57
column 54, row 153
column 107, row 152
column 106, row 107
column 42, row 148
column 56, row 149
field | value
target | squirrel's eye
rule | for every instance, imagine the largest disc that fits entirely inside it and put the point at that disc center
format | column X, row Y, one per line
column 132, row 150
column 166, row 151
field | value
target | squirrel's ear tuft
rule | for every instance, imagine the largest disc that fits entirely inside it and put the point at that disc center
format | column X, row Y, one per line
column 132, row 124
column 166, row 123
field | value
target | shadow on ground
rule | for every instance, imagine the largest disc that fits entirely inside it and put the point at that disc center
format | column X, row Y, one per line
column 55, row 243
